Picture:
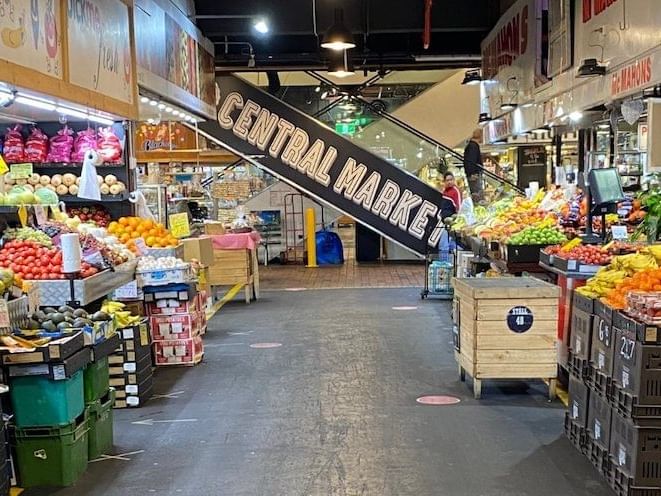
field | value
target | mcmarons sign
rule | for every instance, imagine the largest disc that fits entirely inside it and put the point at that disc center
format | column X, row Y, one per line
column 595, row 7
column 508, row 44
column 324, row 164
column 632, row 76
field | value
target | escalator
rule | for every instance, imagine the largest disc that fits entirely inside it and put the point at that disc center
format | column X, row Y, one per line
column 349, row 176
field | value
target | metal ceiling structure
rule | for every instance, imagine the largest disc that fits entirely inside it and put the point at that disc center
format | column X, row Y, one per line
column 388, row 33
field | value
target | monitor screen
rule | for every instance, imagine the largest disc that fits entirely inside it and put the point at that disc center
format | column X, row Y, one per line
column 605, row 186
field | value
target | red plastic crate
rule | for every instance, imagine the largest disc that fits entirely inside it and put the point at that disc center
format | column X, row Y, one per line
column 167, row 327
column 179, row 351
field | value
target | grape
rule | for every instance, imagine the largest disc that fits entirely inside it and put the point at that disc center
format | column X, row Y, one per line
column 28, row 234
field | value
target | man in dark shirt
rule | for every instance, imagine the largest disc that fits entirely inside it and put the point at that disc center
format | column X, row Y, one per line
column 472, row 163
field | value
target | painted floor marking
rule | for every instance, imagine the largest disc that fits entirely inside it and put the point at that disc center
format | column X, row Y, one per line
column 438, row 400
column 121, row 456
column 265, row 345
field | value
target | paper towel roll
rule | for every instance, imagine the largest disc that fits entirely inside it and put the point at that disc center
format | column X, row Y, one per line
column 71, row 253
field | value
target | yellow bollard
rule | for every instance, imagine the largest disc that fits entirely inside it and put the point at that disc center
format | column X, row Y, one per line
column 311, row 235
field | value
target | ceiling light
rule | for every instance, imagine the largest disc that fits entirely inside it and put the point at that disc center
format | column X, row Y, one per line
column 261, row 26
column 540, row 130
column 484, row 118
column 144, row 99
column 338, row 37
column 161, row 106
column 168, row 110
column 508, row 106
column 72, row 112
column 100, row 120
column 472, row 77
column 576, row 116
column 528, row 105
column 340, row 65
column 590, row 67
column 6, row 97
column 604, row 125
column 150, row 121
column 317, row 89
column 153, row 103
column 40, row 104
column 175, row 112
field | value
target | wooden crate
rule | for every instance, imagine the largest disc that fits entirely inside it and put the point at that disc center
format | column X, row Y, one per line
column 232, row 267
column 507, row 329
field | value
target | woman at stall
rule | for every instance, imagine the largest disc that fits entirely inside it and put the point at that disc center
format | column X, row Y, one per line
column 450, row 190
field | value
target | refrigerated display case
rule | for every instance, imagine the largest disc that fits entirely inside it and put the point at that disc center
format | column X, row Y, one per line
column 156, row 196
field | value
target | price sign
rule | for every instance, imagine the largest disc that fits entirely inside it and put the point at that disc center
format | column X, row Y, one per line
column 141, row 246
column 33, row 297
column 21, row 171
column 519, row 319
column 179, row 226
column 23, row 215
column 3, row 166
column 4, row 313
column 620, row 232
column 40, row 214
column 127, row 292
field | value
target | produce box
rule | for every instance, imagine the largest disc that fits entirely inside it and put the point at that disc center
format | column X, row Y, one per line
column 128, row 293
column 641, row 332
column 581, row 334
column 168, row 327
column 579, row 395
column 523, row 253
column 179, row 352
column 176, row 251
column 88, row 290
column 164, row 276
column 172, row 306
column 200, row 249
column 37, row 400
column 52, row 456
column 96, row 380
column 572, row 265
column 105, row 348
column 546, row 258
column 100, row 436
column 55, row 371
column 583, row 303
column 599, row 421
column 122, row 368
column 139, row 333
column 181, row 292
column 134, row 395
column 56, row 350
column 128, row 352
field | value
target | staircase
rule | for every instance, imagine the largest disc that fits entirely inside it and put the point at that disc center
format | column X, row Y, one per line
column 329, row 167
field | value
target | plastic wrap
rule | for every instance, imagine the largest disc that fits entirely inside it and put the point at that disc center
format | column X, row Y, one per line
column 14, row 146
column 61, row 145
column 108, row 146
column 36, row 146
column 85, row 140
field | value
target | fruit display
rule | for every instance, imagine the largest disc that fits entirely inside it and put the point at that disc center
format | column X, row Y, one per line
column 28, row 234
column 65, row 184
column 64, row 318
column 538, row 236
column 116, row 310
column 160, row 263
column 31, row 260
column 26, row 195
column 96, row 214
column 587, row 254
column 154, row 234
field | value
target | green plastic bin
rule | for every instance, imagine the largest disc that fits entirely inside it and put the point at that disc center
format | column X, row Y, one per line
column 39, row 401
column 52, row 456
column 100, row 436
column 96, row 380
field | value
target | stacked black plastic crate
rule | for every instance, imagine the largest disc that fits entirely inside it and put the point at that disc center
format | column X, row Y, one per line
column 131, row 372
column 614, row 415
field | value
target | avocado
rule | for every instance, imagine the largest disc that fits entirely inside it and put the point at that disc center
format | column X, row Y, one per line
column 57, row 317
column 79, row 323
column 34, row 325
column 39, row 316
column 65, row 309
column 63, row 326
column 48, row 326
column 100, row 316
column 79, row 312
column 48, row 310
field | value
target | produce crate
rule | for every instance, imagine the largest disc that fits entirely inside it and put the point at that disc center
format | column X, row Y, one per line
column 179, row 352
column 128, row 351
column 572, row 265
column 52, row 456
column 96, row 380
column 545, row 258
column 56, row 350
column 523, row 253
column 581, row 334
column 169, row 327
column 602, row 345
column 622, row 485
column 508, row 329
column 88, row 290
column 100, row 437
column 635, row 454
column 181, row 292
column 40, row 401
column 164, row 276
column 55, row 371
column 583, row 303
column 575, row 433
column 578, row 367
column 579, row 396
column 106, row 347
column 175, row 251
column 126, row 369
column 644, row 333
column 19, row 312
column 138, row 334
column 598, row 382
column 133, row 396
column 598, row 456
column 599, row 421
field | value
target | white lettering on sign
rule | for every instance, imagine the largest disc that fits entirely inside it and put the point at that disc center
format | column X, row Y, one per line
column 594, row 8
column 632, row 76
column 508, row 44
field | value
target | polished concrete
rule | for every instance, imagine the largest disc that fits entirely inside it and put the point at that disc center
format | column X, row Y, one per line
column 333, row 412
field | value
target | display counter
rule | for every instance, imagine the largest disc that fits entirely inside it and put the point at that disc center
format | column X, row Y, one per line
column 235, row 262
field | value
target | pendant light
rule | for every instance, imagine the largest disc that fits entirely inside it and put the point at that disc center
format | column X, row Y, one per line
column 338, row 37
column 340, row 65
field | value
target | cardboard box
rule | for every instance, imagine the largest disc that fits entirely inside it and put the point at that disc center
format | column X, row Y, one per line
column 179, row 352
column 169, row 327
column 173, row 306
column 214, row 228
column 200, row 249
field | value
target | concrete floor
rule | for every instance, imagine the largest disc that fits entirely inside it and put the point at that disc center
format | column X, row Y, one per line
column 333, row 412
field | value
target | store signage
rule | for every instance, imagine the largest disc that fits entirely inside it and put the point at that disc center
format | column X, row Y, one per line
column 100, row 48
column 506, row 45
column 31, row 35
column 179, row 225
column 310, row 156
column 637, row 75
column 21, row 171
column 519, row 319
column 595, row 7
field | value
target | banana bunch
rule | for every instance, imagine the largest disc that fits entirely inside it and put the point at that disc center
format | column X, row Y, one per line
column 122, row 318
column 655, row 251
column 602, row 283
column 634, row 262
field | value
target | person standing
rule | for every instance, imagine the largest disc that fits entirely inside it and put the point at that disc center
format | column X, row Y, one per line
column 450, row 190
column 473, row 162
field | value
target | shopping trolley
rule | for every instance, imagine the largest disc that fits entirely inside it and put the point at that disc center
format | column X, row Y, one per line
column 439, row 269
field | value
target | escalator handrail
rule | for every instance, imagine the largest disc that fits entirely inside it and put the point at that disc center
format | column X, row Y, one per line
column 431, row 140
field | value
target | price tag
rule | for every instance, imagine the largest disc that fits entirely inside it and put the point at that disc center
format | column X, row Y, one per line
column 128, row 291
column 3, row 166
column 40, row 214
column 141, row 246
column 21, row 171
column 144, row 335
column 23, row 215
column 33, row 297
column 619, row 232
column 4, row 313
column 179, row 226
